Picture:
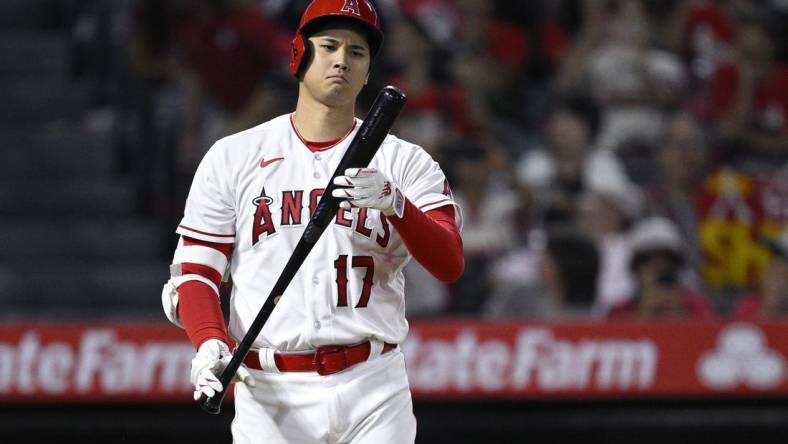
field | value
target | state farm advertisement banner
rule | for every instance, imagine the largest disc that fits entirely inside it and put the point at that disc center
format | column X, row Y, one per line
column 146, row 362
column 149, row 362
column 597, row 360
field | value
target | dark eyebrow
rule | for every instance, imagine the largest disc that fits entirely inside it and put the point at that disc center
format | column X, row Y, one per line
column 336, row 42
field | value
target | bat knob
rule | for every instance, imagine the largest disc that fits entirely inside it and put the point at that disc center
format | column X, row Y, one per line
column 212, row 405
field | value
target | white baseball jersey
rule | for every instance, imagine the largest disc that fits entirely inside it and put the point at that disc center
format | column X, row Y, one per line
column 257, row 190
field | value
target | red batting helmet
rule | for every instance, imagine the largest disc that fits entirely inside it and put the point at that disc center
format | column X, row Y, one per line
column 360, row 11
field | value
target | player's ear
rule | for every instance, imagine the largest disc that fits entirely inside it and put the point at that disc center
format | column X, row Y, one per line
column 367, row 79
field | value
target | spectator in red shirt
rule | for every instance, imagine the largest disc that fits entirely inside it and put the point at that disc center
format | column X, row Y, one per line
column 703, row 33
column 771, row 301
column 227, row 50
column 750, row 95
column 656, row 264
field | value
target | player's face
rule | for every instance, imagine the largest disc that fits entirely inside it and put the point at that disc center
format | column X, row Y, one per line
column 339, row 67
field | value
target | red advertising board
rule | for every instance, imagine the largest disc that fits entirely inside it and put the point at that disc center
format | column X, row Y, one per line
column 446, row 360
column 94, row 362
column 597, row 360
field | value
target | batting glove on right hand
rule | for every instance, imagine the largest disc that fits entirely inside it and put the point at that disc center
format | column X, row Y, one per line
column 209, row 362
column 369, row 188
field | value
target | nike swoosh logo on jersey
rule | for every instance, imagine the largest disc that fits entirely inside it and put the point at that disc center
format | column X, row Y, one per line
column 264, row 163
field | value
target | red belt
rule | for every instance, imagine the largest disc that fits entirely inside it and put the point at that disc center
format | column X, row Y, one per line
column 325, row 361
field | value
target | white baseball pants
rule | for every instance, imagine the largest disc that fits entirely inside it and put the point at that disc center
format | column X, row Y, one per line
column 368, row 403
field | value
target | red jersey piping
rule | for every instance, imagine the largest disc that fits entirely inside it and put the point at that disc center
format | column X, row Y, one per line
column 207, row 234
column 436, row 202
column 319, row 146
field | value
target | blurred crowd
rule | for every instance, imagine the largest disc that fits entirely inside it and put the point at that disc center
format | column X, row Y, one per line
column 612, row 158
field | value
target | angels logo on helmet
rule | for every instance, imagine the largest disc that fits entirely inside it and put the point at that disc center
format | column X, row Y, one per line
column 351, row 6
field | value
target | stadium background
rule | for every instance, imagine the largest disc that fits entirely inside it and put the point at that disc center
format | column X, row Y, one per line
column 565, row 127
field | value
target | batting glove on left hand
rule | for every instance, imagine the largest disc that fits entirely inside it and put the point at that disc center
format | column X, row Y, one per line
column 209, row 362
column 369, row 188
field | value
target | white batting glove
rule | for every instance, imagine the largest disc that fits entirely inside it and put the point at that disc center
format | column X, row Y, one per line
column 211, row 358
column 369, row 188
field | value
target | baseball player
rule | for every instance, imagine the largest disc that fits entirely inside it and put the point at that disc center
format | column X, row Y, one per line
column 327, row 366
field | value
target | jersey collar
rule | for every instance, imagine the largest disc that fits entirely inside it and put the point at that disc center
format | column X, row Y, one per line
column 320, row 146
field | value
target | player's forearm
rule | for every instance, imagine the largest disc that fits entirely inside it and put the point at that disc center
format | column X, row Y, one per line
column 200, row 313
column 433, row 239
column 201, row 264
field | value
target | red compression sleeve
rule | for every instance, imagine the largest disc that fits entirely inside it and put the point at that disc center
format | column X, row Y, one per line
column 200, row 313
column 433, row 239
column 198, row 305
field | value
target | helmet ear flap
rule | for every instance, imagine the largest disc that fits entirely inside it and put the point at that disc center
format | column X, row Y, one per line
column 300, row 53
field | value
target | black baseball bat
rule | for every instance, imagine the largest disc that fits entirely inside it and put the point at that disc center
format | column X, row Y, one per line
column 362, row 149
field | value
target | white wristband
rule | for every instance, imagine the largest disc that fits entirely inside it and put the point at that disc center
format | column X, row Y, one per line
column 397, row 205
